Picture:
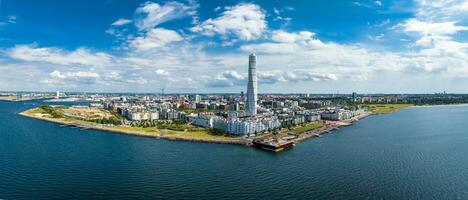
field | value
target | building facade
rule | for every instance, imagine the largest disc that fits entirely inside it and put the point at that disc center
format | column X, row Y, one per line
column 251, row 107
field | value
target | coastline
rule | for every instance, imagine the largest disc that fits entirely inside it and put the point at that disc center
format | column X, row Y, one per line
column 329, row 128
column 21, row 100
column 155, row 134
column 159, row 134
column 421, row 106
column 441, row 105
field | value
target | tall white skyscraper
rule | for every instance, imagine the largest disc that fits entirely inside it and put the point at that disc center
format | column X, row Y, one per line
column 252, row 86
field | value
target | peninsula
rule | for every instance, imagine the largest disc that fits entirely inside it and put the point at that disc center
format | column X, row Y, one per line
column 87, row 117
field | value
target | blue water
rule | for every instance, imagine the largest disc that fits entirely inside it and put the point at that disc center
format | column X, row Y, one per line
column 417, row 153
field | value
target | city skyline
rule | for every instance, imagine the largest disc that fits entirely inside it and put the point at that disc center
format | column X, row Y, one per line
column 199, row 46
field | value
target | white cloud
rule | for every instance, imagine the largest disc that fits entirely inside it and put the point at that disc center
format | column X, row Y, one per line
column 233, row 78
column 154, row 38
column 285, row 42
column 377, row 37
column 287, row 37
column 362, row 4
column 432, row 33
column 273, row 77
column 245, row 21
column 225, row 79
column 432, row 28
column 74, row 75
column 121, row 22
column 72, row 78
column 139, row 81
column 276, row 11
column 435, row 26
column 435, row 10
column 151, row 14
column 162, row 72
column 287, row 60
column 383, row 23
column 80, row 56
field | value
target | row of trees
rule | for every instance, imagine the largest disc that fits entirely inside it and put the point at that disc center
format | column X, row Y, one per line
column 112, row 120
column 170, row 125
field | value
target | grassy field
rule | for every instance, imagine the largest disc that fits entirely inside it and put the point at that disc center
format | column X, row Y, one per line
column 307, row 127
column 386, row 108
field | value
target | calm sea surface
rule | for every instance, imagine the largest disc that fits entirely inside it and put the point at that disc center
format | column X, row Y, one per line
column 417, row 153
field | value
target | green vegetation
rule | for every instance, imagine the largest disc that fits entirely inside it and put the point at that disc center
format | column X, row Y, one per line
column 307, row 127
column 138, row 129
column 175, row 130
column 178, row 127
column 216, row 132
column 175, row 126
column 51, row 111
column 207, row 134
column 112, row 120
column 58, row 112
column 385, row 108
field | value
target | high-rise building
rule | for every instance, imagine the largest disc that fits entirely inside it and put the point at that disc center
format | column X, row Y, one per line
column 251, row 106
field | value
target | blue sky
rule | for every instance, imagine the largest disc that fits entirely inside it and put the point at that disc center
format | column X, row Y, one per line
column 202, row 46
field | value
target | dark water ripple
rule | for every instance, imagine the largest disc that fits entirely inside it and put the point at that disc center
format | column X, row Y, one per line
column 418, row 153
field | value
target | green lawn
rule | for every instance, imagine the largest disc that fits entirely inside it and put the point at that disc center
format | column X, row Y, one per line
column 386, row 108
column 307, row 127
column 205, row 134
column 140, row 129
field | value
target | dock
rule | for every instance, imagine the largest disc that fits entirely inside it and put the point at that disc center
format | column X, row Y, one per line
column 274, row 145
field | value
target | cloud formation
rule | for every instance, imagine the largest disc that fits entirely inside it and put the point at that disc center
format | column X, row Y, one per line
column 193, row 59
column 154, row 38
column 245, row 21
column 151, row 14
column 81, row 56
column 121, row 22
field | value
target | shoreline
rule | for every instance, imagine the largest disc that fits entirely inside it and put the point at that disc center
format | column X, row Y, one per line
column 329, row 128
column 21, row 100
column 157, row 134
column 440, row 105
column 237, row 141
